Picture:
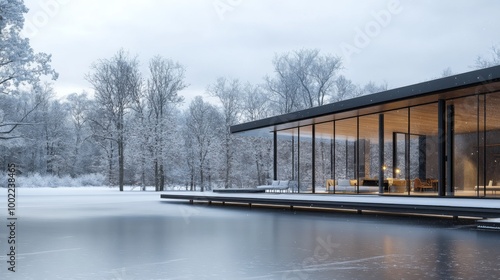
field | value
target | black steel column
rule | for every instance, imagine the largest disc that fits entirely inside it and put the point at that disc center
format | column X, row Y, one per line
column 450, row 150
column 485, row 179
column 407, row 154
column 293, row 156
column 478, row 175
column 275, row 155
column 298, row 159
column 313, row 158
column 394, row 154
column 441, row 142
column 356, row 152
column 334, row 162
column 381, row 153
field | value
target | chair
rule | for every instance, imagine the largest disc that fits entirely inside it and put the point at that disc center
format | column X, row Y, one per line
column 419, row 186
column 330, row 183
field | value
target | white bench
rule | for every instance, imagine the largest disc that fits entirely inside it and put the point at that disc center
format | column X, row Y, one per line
column 493, row 189
column 282, row 185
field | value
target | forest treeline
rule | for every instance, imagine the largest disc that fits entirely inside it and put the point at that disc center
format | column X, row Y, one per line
column 136, row 128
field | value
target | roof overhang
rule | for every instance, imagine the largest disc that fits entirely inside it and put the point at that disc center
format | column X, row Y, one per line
column 465, row 84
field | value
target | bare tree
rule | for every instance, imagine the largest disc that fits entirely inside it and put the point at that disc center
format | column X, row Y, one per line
column 116, row 81
column 103, row 133
column 283, row 88
column 79, row 106
column 165, row 81
column 446, row 72
column 203, row 128
column 255, row 104
column 229, row 94
column 494, row 60
column 304, row 79
column 372, row 87
column 345, row 89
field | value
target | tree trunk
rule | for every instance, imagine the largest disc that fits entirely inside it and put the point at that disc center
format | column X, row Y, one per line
column 202, row 183
column 157, row 182
column 121, row 163
column 162, row 177
column 143, row 172
column 121, row 160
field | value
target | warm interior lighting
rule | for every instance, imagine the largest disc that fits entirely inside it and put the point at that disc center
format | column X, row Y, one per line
column 398, row 170
column 384, row 167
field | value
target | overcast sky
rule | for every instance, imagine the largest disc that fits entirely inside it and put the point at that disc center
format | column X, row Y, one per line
column 398, row 42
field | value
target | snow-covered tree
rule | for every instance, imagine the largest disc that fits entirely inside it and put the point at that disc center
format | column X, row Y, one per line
column 229, row 94
column 255, row 103
column 482, row 62
column 116, row 82
column 303, row 79
column 163, row 85
column 103, row 133
column 19, row 64
column 202, row 132
column 345, row 89
column 82, row 154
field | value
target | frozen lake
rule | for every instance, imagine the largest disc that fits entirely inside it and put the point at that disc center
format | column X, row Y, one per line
column 99, row 233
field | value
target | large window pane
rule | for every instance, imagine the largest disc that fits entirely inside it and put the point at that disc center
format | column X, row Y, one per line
column 395, row 131
column 369, row 167
column 466, row 157
column 305, row 158
column 423, row 149
column 492, row 148
column 287, row 154
column 324, row 154
column 346, row 154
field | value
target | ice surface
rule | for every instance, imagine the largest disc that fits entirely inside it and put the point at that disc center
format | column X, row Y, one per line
column 100, row 233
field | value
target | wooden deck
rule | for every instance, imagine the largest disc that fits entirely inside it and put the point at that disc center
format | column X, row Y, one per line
column 466, row 207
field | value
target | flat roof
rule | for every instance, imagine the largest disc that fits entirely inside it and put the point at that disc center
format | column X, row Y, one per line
column 470, row 83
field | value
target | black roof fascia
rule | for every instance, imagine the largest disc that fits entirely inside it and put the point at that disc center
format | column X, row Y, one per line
column 468, row 79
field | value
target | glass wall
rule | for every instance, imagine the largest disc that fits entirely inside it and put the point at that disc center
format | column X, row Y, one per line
column 369, row 165
column 476, row 145
column 423, row 149
column 345, row 152
column 324, row 156
column 395, row 133
column 491, row 174
column 287, row 154
column 466, row 143
column 346, row 155
column 305, row 159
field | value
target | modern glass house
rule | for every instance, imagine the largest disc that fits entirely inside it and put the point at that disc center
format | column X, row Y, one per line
column 438, row 138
